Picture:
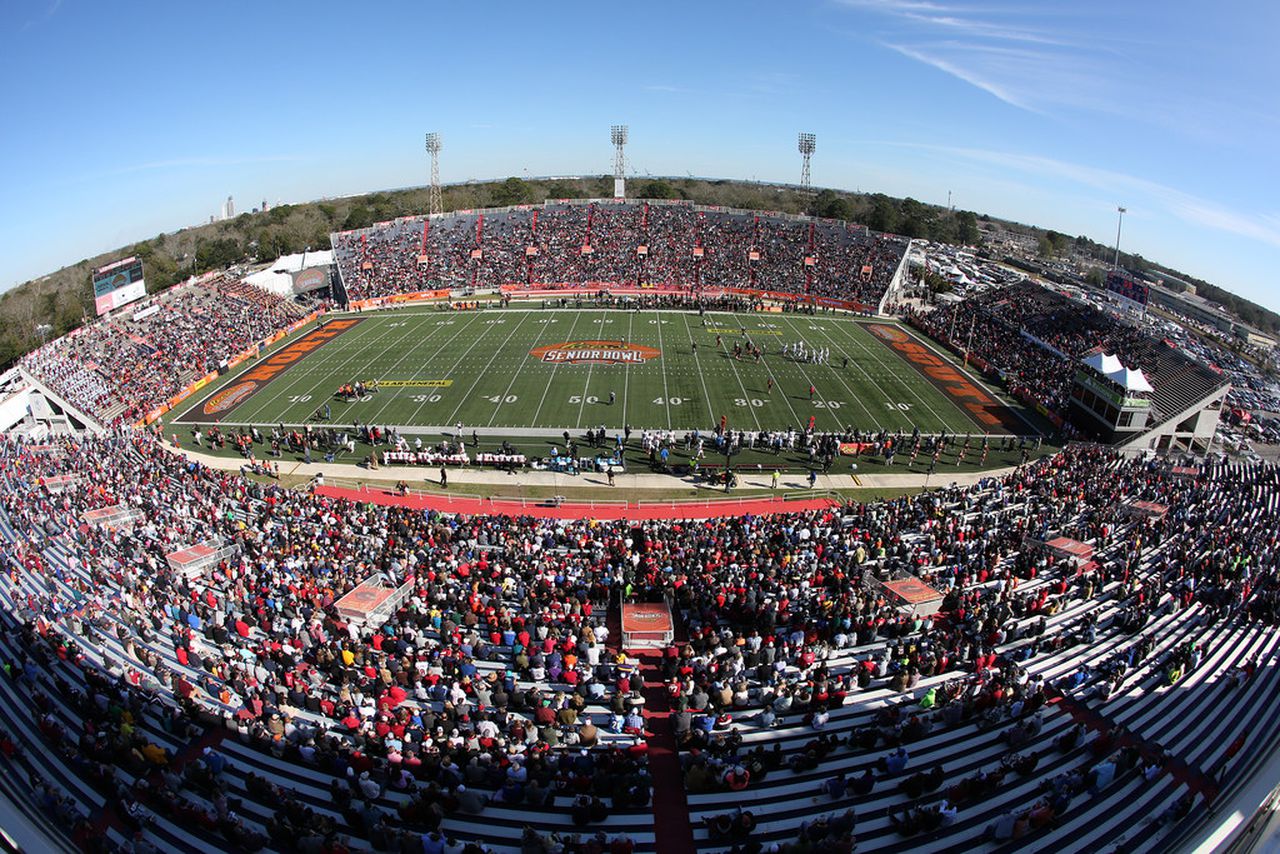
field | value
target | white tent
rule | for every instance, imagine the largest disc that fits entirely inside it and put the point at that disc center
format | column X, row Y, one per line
column 1104, row 364
column 278, row 278
column 1130, row 379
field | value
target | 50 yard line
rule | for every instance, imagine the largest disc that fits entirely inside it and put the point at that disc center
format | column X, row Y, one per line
column 534, row 421
column 586, row 385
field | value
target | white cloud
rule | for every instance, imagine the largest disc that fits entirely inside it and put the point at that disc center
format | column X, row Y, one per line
column 970, row 76
column 1033, row 58
column 1129, row 190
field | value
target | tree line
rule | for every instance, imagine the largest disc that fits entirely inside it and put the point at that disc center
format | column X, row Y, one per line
column 63, row 300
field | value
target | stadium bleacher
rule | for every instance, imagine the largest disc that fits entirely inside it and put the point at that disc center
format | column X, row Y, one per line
column 630, row 244
column 1035, row 337
column 1048, row 704
column 119, row 369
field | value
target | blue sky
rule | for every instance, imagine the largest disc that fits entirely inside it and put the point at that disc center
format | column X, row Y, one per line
column 126, row 119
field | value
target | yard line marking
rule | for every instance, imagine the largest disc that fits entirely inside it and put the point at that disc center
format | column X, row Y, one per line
column 822, row 327
column 666, row 396
column 411, row 330
column 943, row 423
column 626, row 369
column 586, row 386
column 826, row 403
column 515, row 327
column 519, row 368
column 769, row 373
column 307, row 369
column 702, row 377
column 424, row 364
column 413, row 418
column 555, row 367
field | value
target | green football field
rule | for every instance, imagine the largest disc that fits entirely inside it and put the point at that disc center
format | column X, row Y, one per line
column 520, row 368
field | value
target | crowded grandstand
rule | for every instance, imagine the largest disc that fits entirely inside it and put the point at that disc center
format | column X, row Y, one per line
column 1074, row 653
column 620, row 243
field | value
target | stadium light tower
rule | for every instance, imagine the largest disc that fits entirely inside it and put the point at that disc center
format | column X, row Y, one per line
column 1119, row 222
column 618, row 136
column 808, row 142
column 433, row 148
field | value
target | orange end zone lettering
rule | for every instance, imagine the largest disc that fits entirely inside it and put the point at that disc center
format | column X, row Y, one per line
column 221, row 403
column 949, row 380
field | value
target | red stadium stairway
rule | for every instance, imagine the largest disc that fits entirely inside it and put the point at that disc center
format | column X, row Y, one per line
column 672, row 828
column 1193, row 778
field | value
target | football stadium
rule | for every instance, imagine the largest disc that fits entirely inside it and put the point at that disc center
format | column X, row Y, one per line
column 625, row 524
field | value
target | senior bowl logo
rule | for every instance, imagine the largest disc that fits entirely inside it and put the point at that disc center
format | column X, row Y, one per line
column 229, row 398
column 886, row 333
column 598, row 352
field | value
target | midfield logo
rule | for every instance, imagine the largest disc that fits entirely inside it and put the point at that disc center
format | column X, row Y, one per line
column 598, row 352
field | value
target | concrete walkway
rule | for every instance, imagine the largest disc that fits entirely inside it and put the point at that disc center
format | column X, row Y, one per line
column 460, row 478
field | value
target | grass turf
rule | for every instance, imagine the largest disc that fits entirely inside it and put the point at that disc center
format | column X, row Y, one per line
column 441, row 368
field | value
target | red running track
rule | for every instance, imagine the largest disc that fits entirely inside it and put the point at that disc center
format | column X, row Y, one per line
column 633, row 511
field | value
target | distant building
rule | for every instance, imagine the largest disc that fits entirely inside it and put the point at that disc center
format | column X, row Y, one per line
column 228, row 208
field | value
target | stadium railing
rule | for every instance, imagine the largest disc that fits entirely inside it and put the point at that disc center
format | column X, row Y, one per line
column 497, row 501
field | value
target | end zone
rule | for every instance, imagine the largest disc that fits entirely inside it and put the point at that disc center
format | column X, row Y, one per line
column 226, row 400
column 988, row 413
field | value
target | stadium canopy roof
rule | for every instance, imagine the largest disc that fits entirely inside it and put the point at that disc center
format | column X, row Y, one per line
column 278, row 278
column 1130, row 379
column 1104, row 363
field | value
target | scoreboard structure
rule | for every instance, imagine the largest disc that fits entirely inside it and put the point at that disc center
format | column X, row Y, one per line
column 117, row 284
column 1124, row 285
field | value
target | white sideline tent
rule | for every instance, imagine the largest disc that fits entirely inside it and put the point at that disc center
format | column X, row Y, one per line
column 1131, row 380
column 278, row 278
column 1104, row 363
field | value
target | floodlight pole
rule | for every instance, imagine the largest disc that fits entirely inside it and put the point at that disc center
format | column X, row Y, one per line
column 1119, row 222
column 618, row 136
column 806, row 143
column 433, row 148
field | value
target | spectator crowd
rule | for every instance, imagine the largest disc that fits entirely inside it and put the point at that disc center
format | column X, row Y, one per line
column 495, row 682
column 120, row 368
column 634, row 244
column 1035, row 338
